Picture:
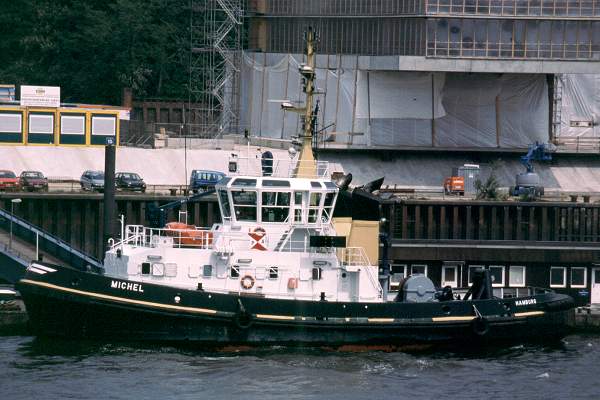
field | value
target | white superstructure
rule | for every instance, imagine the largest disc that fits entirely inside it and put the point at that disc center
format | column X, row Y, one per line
column 263, row 245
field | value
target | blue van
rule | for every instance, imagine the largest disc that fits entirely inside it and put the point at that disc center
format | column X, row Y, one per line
column 202, row 180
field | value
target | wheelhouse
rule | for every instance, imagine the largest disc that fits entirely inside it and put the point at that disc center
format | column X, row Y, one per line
column 296, row 202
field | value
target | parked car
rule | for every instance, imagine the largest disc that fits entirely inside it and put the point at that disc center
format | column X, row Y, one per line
column 33, row 180
column 92, row 180
column 8, row 180
column 129, row 181
column 202, row 180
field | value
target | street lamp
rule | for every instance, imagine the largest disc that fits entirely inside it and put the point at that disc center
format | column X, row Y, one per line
column 12, row 213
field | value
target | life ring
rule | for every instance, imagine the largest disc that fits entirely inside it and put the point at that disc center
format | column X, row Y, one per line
column 247, row 282
column 480, row 326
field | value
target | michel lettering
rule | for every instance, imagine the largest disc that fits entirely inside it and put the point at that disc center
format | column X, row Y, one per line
column 130, row 286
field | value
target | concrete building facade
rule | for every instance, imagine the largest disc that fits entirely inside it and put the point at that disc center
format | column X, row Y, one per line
column 448, row 74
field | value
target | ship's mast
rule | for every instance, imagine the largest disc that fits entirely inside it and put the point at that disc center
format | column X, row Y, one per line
column 306, row 167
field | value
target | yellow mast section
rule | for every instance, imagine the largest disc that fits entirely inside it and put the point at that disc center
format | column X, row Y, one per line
column 306, row 167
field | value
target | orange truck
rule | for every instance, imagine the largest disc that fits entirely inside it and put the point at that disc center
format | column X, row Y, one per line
column 454, row 185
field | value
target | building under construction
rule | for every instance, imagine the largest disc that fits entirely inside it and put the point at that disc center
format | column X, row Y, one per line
column 483, row 75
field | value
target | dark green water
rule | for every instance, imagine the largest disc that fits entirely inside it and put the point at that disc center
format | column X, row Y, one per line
column 49, row 369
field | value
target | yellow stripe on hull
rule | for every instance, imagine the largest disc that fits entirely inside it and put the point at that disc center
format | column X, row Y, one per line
column 121, row 299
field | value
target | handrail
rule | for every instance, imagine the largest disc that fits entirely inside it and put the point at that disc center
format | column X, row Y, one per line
column 51, row 238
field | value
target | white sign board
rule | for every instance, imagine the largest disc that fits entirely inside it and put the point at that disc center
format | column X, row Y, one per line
column 40, row 96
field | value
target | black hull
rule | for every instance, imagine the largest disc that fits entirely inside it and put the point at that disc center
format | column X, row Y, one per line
column 84, row 305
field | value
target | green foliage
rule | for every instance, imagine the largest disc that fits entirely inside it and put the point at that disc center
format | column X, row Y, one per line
column 488, row 190
column 94, row 48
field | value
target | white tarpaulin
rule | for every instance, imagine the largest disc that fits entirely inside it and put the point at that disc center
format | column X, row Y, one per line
column 399, row 95
column 580, row 105
column 395, row 108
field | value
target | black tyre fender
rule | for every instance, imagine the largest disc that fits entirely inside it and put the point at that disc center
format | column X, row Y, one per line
column 242, row 320
column 480, row 326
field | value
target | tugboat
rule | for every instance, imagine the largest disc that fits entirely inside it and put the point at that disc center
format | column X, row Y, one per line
column 293, row 261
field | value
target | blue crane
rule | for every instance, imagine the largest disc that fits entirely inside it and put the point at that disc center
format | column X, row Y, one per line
column 528, row 182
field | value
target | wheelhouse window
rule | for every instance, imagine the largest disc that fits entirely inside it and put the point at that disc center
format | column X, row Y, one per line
column 418, row 269
column 578, row 277
column 244, row 204
column 234, row 271
column 313, row 207
column 516, row 276
column 558, row 277
column 328, row 206
column 298, row 207
column 275, row 206
column 225, row 206
column 497, row 275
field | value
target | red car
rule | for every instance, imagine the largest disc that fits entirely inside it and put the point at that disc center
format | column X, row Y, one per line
column 8, row 180
column 33, row 180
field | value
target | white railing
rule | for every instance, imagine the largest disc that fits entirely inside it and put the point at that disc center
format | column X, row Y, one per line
column 140, row 236
column 281, row 168
column 353, row 256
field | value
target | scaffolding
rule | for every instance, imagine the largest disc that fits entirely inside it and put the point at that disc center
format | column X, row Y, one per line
column 214, row 67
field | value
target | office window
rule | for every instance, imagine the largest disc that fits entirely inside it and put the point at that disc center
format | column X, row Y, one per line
column 516, row 276
column 558, row 277
column 72, row 125
column 497, row 275
column 450, row 275
column 10, row 123
column 578, row 277
column 471, row 269
column 397, row 273
column 418, row 269
column 106, row 126
column 41, row 123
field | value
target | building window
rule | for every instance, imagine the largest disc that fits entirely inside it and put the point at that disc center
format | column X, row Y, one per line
column 273, row 272
column 578, row 277
column 105, row 126
column 41, row 123
column 558, row 277
column 11, row 123
column 516, row 276
column 72, row 124
column 497, row 275
column 471, row 269
column 418, row 269
column 397, row 273
column 450, row 275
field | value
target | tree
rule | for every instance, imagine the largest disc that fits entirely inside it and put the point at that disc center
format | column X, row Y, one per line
column 94, row 48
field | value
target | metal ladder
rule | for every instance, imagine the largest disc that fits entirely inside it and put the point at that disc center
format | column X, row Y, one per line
column 557, row 106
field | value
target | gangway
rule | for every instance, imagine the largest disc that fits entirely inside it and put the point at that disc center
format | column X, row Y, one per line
column 27, row 240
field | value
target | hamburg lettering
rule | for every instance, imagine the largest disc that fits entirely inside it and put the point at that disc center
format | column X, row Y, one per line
column 525, row 302
column 130, row 286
